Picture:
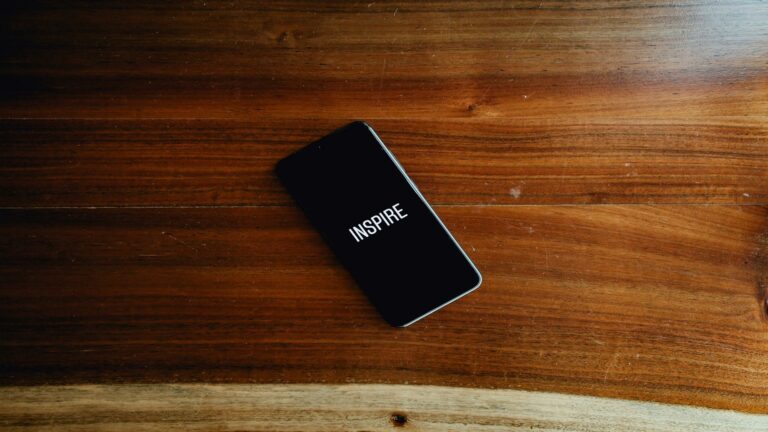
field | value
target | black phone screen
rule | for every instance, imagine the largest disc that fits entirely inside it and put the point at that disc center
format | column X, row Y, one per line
column 378, row 224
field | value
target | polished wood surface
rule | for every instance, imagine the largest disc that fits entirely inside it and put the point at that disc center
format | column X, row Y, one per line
column 352, row 407
column 663, row 303
column 51, row 163
column 693, row 61
column 605, row 164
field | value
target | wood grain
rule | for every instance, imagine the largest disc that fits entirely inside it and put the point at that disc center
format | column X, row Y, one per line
column 661, row 303
column 603, row 162
column 221, row 162
column 316, row 407
column 551, row 60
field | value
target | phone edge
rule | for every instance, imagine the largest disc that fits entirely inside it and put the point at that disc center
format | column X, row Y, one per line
column 447, row 231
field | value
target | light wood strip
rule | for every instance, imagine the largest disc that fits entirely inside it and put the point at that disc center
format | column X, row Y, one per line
column 317, row 407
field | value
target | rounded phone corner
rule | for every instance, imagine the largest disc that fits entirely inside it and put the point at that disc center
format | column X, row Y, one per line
column 360, row 124
column 398, row 321
column 402, row 324
column 479, row 280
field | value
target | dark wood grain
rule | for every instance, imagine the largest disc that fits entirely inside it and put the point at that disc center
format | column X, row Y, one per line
column 651, row 302
column 144, row 239
column 688, row 60
column 222, row 162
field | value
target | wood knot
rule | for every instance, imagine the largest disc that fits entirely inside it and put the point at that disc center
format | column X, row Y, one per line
column 287, row 38
column 398, row 419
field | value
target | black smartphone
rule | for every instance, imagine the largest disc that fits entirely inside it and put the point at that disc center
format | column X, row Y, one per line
column 378, row 224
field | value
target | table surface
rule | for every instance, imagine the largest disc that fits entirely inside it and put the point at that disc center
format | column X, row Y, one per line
column 605, row 165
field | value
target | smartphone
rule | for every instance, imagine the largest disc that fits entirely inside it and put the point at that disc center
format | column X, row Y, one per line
column 378, row 224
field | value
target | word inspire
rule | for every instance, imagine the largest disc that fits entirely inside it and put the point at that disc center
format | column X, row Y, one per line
column 372, row 225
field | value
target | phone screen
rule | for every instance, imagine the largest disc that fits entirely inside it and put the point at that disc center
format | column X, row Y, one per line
column 378, row 224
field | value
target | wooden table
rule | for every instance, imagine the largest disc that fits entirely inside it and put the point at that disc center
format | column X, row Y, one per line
column 605, row 164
